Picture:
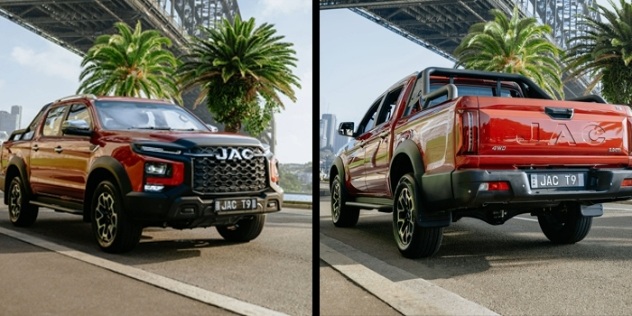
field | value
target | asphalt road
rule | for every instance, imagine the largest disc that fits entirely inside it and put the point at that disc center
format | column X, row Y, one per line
column 273, row 271
column 511, row 269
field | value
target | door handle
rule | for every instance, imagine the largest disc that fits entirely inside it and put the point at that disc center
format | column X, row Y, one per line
column 35, row 147
column 58, row 149
column 384, row 134
column 362, row 143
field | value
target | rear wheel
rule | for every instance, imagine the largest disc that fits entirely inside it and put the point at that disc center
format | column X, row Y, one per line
column 413, row 241
column 21, row 212
column 342, row 215
column 111, row 224
column 244, row 230
column 565, row 225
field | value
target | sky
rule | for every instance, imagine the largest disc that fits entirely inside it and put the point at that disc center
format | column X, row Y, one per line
column 34, row 71
column 360, row 59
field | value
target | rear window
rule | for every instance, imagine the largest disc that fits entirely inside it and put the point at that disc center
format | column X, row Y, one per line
column 468, row 90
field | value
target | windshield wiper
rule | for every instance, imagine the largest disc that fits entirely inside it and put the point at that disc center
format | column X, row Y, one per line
column 152, row 127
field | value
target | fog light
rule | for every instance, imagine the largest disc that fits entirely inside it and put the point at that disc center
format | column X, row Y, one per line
column 153, row 187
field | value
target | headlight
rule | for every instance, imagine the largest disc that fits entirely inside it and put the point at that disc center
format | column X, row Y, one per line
column 156, row 169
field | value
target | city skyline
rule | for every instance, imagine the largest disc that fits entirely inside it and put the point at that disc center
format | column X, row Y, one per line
column 10, row 121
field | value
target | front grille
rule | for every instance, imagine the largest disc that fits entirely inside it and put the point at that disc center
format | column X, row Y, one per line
column 211, row 174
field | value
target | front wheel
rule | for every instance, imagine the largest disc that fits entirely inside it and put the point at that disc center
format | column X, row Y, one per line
column 113, row 228
column 341, row 214
column 21, row 212
column 565, row 225
column 244, row 230
column 413, row 241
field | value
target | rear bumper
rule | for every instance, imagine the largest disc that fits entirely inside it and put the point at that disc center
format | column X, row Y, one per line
column 601, row 186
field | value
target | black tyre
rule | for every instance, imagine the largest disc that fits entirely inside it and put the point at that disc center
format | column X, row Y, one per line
column 565, row 225
column 21, row 212
column 113, row 228
column 244, row 230
column 342, row 215
column 413, row 241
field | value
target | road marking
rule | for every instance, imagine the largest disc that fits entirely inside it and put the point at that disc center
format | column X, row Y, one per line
column 413, row 296
column 187, row 290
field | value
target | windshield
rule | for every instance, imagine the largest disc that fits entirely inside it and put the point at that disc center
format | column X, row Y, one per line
column 119, row 115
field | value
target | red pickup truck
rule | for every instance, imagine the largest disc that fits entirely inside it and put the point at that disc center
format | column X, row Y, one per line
column 447, row 143
column 124, row 164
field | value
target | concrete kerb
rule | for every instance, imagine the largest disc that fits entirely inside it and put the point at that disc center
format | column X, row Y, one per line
column 297, row 204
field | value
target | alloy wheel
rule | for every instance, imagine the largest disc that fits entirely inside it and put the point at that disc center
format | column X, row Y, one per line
column 335, row 201
column 15, row 201
column 405, row 219
column 106, row 218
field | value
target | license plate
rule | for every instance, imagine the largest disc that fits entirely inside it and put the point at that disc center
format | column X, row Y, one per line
column 223, row 205
column 557, row 180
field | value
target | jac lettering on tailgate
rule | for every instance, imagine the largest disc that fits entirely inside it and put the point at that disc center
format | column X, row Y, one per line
column 592, row 134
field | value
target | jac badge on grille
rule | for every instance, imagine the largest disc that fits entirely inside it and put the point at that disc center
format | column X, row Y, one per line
column 234, row 154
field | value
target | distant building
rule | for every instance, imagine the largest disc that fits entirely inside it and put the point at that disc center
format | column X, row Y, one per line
column 10, row 121
column 329, row 137
column 329, row 130
column 17, row 111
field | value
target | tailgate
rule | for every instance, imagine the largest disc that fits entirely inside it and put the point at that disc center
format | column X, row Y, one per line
column 549, row 132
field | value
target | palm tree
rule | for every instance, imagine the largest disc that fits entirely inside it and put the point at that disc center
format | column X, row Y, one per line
column 604, row 52
column 130, row 64
column 237, row 67
column 517, row 46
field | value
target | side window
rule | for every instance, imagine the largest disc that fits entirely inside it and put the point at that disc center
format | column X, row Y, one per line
column 52, row 125
column 79, row 112
column 370, row 117
column 34, row 124
column 389, row 105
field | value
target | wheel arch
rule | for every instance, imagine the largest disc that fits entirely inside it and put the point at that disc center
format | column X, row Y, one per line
column 105, row 168
column 16, row 167
column 337, row 168
column 406, row 158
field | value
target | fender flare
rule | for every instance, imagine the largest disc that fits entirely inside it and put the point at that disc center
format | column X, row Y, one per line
column 339, row 166
column 18, row 163
column 427, row 218
column 410, row 149
column 116, row 169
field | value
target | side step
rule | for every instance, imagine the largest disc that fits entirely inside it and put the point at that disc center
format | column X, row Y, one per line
column 58, row 208
column 369, row 206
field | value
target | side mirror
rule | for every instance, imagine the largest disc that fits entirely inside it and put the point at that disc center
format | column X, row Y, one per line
column 212, row 128
column 76, row 127
column 346, row 129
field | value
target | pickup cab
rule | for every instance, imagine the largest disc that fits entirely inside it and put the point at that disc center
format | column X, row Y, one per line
column 444, row 144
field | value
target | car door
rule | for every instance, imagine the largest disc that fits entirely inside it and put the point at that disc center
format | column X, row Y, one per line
column 378, row 153
column 356, row 153
column 75, row 150
column 45, row 164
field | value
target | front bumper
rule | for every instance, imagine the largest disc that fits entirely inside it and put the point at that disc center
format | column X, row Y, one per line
column 189, row 211
column 601, row 185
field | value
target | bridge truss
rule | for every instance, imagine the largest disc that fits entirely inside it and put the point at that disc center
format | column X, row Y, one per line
column 440, row 25
column 75, row 25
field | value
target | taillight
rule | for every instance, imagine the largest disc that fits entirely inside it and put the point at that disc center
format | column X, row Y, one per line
column 494, row 186
column 627, row 183
column 469, row 123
